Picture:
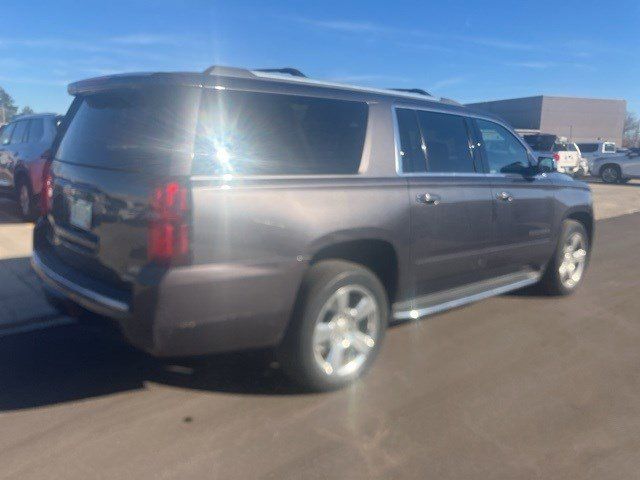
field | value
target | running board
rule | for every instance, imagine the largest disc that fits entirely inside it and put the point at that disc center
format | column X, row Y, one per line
column 456, row 297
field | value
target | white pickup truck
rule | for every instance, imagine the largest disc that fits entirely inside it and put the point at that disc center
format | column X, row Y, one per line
column 566, row 154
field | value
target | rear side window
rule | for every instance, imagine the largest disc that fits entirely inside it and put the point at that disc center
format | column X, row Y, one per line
column 609, row 147
column 447, row 143
column 19, row 132
column 5, row 137
column 36, row 130
column 505, row 154
column 588, row 147
column 130, row 129
column 249, row 133
column 411, row 151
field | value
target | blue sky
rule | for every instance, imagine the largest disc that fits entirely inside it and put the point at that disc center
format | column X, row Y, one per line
column 462, row 50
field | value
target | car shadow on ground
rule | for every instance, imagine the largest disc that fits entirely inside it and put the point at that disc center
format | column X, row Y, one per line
column 88, row 359
column 8, row 210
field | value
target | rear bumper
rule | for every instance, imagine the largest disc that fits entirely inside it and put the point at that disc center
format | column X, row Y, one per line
column 194, row 310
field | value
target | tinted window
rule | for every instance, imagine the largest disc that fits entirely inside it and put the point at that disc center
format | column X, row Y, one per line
column 5, row 137
column 609, row 147
column 571, row 147
column 267, row 134
column 18, row 135
column 411, row 152
column 540, row 143
column 130, row 128
column 505, row 154
column 447, row 142
column 36, row 130
column 588, row 147
column 560, row 147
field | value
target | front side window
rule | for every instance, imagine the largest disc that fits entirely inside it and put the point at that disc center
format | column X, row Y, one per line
column 19, row 132
column 411, row 151
column 505, row 154
column 5, row 137
column 249, row 133
column 447, row 143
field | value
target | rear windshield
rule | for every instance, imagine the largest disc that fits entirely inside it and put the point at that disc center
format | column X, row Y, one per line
column 130, row 129
column 540, row 143
column 248, row 133
column 610, row 147
column 571, row 147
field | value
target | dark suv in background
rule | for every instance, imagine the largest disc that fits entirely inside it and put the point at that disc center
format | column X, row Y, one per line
column 236, row 209
column 23, row 144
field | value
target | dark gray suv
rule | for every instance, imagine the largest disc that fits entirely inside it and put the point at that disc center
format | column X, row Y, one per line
column 236, row 209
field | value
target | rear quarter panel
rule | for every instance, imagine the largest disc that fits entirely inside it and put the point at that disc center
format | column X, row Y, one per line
column 280, row 224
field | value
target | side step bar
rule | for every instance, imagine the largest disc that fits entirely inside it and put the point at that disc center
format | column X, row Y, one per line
column 440, row 301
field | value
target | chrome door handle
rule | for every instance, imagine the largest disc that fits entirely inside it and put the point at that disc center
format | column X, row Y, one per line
column 505, row 197
column 427, row 199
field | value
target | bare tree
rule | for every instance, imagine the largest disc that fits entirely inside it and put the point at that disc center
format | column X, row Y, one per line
column 7, row 107
column 631, row 135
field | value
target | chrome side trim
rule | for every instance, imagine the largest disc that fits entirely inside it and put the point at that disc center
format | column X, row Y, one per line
column 67, row 286
column 422, row 312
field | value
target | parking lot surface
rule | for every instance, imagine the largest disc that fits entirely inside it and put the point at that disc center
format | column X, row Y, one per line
column 518, row 386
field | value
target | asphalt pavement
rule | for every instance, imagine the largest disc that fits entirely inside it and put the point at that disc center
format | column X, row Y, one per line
column 514, row 387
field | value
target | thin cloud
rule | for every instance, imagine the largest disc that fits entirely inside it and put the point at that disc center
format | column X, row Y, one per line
column 145, row 39
column 532, row 65
column 360, row 27
column 447, row 82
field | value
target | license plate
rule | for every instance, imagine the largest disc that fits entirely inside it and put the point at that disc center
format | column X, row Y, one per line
column 80, row 213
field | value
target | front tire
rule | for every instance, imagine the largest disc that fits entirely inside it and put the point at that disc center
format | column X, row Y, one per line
column 337, row 327
column 566, row 268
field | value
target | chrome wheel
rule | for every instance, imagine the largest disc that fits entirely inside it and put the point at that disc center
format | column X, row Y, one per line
column 610, row 175
column 24, row 199
column 346, row 330
column 573, row 261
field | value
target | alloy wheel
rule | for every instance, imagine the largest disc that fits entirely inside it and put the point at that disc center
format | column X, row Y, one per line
column 346, row 330
column 574, row 260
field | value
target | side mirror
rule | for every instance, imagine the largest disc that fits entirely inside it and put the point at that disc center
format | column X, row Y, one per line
column 546, row 164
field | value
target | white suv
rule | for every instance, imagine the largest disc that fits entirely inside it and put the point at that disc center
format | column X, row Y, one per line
column 566, row 155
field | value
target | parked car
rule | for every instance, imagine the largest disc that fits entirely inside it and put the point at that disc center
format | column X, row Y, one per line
column 22, row 145
column 592, row 150
column 566, row 154
column 618, row 168
column 236, row 209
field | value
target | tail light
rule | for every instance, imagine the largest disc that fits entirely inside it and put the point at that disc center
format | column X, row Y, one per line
column 168, row 236
column 556, row 157
column 46, row 194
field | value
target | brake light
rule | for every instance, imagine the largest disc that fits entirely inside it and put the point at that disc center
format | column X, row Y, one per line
column 556, row 157
column 168, row 236
column 46, row 194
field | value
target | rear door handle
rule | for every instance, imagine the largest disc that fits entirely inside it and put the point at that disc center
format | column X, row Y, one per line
column 427, row 199
column 505, row 197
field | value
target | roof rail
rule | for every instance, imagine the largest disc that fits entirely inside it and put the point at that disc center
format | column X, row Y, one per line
column 417, row 91
column 228, row 71
column 294, row 72
column 450, row 101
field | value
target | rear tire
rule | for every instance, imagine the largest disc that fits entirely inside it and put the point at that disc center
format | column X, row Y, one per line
column 24, row 197
column 566, row 269
column 337, row 327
